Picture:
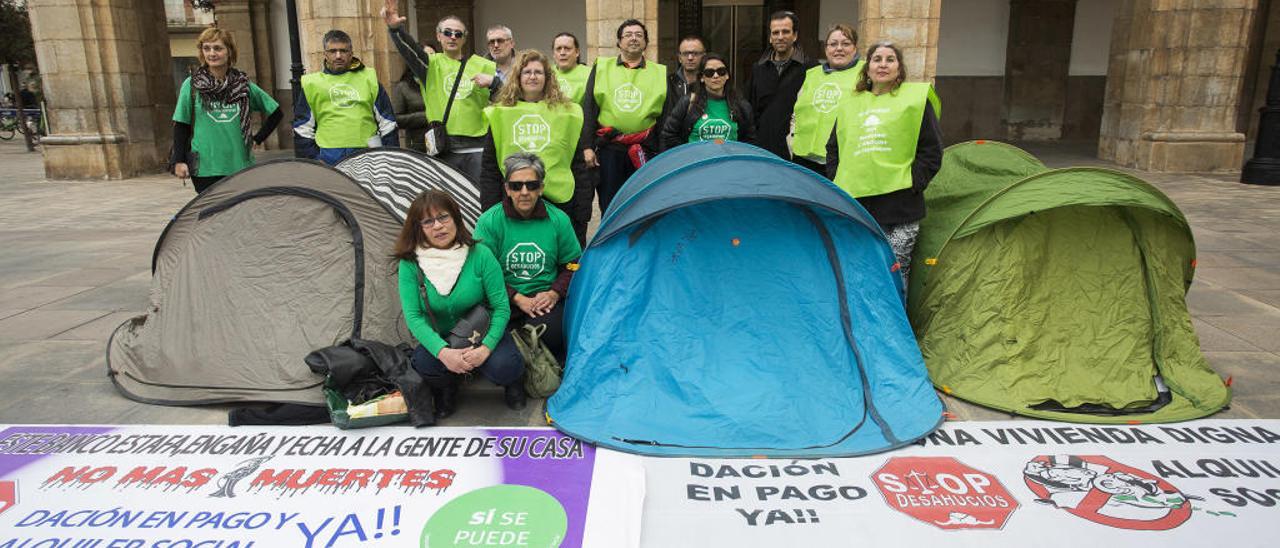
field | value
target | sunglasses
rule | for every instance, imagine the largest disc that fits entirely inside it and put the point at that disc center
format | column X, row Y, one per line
column 714, row 72
column 533, row 186
column 443, row 218
column 450, row 33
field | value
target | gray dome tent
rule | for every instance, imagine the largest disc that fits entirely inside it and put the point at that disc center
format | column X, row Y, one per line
column 265, row 266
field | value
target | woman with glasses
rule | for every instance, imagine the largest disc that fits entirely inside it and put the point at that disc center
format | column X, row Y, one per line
column 712, row 112
column 825, row 86
column 531, row 114
column 443, row 276
column 211, row 135
column 535, row 245
column 886, row 146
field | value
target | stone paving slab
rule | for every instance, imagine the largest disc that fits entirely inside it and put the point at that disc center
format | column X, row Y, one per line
column 77, row 257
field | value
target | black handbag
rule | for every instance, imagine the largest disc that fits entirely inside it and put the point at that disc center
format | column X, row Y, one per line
column 437, row 136
column 469, row 330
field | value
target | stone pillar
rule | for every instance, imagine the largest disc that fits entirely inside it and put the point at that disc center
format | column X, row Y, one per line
column 360, row 20
column 233, row 15
column 105, row 67
column 1037, row 59
column 1173, row 85
column 603, row 18
column 912, row 25
column 265, row 68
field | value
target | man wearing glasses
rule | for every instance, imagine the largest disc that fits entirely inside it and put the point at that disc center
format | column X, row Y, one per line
column 625, row 99
column 438, row 75
column 343, row 108
column 502, row 50
column 689, row 54
column 775, row 82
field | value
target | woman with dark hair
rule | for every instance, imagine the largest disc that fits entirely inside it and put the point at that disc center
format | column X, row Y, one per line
column 825, row 86
column 531, row 114
column 211, row 136
column 713, row 112
column 886, row 146
column 406, row 100
column 443, row 276
column 570, row 71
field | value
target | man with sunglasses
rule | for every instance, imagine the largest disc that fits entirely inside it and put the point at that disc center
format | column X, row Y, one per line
column 437, row 74
column 342, row 109
column 775, row 82
column 535, row 244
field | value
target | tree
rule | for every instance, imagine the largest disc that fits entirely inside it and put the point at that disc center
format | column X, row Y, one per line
column 16, row 46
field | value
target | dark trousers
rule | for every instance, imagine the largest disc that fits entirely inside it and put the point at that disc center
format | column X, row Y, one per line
column 504, row 366
column 202, row 183
column 615, row 168
column 553, row 337
column 820, row 169
column 466, row 162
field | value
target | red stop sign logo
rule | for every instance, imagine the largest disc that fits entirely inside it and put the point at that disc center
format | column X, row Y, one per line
column 8, row 495
column 945, row 493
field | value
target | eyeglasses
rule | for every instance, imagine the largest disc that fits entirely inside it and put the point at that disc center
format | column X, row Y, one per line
column 212, row 47
column 844, row 44
column 692, row 53
column 633, row 34
column 336, row 51
column 442, row 218
column 532, row 72
column 533, row 186
column 498, row 41
column 714, row 72
column 450, row 33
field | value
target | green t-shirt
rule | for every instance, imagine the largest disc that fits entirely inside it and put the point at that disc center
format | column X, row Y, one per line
column 530, row 251
column 479, row 281
column 574, row 82
column 715, row 123
column 215, row 133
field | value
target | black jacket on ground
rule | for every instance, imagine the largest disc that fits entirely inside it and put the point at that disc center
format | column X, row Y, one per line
column 773, row 97
column 906, row 205
column 679, row 122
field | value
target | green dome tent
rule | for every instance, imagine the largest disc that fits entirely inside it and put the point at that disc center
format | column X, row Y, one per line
column 1057, row 294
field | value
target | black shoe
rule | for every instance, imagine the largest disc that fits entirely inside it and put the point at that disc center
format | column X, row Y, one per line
column 513, row 394
column 446, row 401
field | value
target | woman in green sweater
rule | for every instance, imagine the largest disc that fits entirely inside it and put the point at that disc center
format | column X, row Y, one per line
column 443, row 275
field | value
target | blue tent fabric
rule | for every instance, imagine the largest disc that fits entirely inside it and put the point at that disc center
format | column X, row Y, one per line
column 714, row 311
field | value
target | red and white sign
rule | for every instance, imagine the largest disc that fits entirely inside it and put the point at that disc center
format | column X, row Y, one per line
column 945, row 493
column 8, row 495
column 1104, row 491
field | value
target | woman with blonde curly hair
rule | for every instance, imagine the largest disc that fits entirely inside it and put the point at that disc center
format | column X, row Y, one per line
column 531, row 114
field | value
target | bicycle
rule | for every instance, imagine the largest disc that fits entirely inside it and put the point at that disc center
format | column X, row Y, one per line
column 9, row 124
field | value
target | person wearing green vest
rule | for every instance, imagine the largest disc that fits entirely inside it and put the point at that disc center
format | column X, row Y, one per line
column 437, row 73
column 886, row 146
column 535, row 245
column 571, row 74
column 211, row 137
column 342, row 109
column 530, row 114
column 624, row 103
column 712, row 112
column 444, row 275
column 825, row 86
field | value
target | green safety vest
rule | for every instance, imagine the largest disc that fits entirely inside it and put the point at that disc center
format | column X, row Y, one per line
column 877, row 136
column 466, row 117
column 630, row 100
column 551, row 133
column 573, row 84
column 342, row 105
column 816, row 109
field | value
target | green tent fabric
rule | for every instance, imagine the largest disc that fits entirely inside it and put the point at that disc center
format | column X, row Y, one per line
column 1057, row 294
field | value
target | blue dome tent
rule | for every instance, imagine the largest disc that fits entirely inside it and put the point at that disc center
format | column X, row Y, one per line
column 734, row 304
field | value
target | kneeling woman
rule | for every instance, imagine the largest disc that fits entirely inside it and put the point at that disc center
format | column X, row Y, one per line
column 535, row 244
column 886, row 146
column 443, row 275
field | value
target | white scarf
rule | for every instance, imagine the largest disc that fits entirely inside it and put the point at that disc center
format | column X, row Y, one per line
column 442, row 266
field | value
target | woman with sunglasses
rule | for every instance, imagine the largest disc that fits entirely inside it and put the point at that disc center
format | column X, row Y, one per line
column 824, row 87
column 531, row 114
column 443, row 276
column 536, row 247
column 211, row 136
column 886, row 146
column 712, row 112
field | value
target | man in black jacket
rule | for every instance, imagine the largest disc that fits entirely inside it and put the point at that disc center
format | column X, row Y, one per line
column 775, row 82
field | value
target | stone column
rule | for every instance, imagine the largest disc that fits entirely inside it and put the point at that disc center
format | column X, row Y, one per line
column 1037, row 59
column 603, row 18
column 1174, row 83
column 265, row 69
column 912, row 25
column 233, row 15
column 360, row 20
column 105, row 67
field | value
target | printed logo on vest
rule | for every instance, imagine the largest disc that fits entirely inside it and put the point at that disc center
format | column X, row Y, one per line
column 344, row 95
column 628, row 97
column 464, row 86
column 714, row 129
column 566, row 87
column 826, row 97
column 525, row 261
column 222, row 113
column 531, row 133
column 871, row 121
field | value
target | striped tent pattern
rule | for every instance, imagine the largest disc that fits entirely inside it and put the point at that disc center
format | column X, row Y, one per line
column 396, row 176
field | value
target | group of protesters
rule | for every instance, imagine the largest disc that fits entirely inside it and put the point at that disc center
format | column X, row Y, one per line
column 544, row 137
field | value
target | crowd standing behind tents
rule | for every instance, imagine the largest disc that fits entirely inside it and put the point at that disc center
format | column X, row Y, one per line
column 542, row 136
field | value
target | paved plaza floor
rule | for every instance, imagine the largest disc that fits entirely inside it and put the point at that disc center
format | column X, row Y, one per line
column 76, row 263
